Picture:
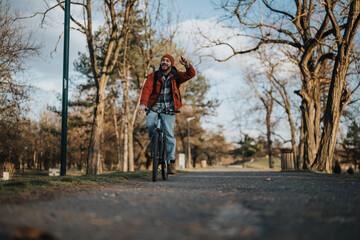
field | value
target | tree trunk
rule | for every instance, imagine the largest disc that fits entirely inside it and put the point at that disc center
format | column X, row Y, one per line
column 128, row 162
column 101, row 76
column 116, row 129
column 129, row 125
column 81, row 156
column 293, row 142
column 122, row 140
column 94, row 156
column 301, row 145
column 69, row 161
column 131, row 147
column 338, row 98
column 35, row 160
column 339, row 95
column 311, row 114
column 126, row 145
column 268, row 135
column 131, row 131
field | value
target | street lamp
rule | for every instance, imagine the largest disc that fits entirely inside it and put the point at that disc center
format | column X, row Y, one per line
column 64, row 114
column 188, row 141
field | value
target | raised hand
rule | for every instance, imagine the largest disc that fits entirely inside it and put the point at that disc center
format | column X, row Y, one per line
column 183, row 61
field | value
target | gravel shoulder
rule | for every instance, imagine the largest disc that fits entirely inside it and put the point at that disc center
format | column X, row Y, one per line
column 220, row 203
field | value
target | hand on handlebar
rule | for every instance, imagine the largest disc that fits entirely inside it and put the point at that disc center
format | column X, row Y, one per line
column 141, row 109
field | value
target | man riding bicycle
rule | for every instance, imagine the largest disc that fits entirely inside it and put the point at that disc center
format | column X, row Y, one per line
column 161, row 91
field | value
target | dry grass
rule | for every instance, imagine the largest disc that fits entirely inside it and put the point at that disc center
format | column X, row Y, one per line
column 263, row 163
column 36, row 181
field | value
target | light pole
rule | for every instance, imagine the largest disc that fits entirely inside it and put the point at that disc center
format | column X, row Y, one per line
column 188, row 142
column 65, row 89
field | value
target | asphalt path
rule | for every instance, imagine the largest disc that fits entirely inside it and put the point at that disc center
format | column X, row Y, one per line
column 222, row 203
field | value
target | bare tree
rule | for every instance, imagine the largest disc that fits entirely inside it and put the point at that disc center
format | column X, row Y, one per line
column 267, row 99
column 117, row 15
column 318, row 32
column 16, row 45
column 281, row 80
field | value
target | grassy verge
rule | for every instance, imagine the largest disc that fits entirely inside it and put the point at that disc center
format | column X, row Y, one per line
column 263, row 164
column 35, row 182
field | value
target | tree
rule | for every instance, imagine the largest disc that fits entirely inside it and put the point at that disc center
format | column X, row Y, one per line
column 214, row 146
column 117, row 15
column 16, row 45
column 318, row 33
column 248, row 148
column 351, row 143
column 267, row 99
column 279, row 74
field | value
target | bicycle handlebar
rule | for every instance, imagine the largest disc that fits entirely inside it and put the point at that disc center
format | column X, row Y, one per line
column 165, row 111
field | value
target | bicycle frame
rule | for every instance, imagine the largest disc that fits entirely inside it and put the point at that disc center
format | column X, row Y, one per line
column 158, row 145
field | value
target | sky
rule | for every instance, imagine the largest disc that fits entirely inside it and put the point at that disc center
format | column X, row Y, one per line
column 45, row 71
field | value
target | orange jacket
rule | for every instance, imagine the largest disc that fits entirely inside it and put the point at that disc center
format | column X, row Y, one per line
column 150, row 95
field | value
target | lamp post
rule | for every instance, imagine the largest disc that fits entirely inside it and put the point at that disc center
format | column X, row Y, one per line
column 188, row 142
column 65, row 88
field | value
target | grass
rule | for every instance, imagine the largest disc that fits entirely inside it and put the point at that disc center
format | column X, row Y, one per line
column 33, row 182
column 263, row 164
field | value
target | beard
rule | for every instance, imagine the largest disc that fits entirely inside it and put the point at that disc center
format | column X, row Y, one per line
column 165, row 67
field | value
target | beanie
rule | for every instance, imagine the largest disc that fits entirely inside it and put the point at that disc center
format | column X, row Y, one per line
column 169, row 57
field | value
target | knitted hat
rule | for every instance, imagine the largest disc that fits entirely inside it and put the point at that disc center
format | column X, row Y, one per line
column 169, row 57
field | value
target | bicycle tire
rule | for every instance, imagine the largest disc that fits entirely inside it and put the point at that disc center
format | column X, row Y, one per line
column 154, row 155
column 164, row 165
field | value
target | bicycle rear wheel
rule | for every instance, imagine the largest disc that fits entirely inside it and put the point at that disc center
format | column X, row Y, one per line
column 155, row 155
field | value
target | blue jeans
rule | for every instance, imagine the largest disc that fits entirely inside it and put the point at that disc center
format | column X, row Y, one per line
column 167, row 125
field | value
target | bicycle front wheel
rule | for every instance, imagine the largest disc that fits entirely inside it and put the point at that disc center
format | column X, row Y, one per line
column 164, row 165
column 155, row 155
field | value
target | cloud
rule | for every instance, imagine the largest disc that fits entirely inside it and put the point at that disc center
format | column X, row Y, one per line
column 47, row 86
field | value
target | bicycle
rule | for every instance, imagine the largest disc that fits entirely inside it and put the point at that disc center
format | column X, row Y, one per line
column 157, row 146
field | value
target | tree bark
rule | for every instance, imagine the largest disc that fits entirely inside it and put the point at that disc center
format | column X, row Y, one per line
column 110, row 60
column 126, row 145
column 117, row 136
column 338, row 96
column 268, row 102
column 268, row 134
column 122, row 141
column 311, row 115
column 94, row 157
column 336, row 103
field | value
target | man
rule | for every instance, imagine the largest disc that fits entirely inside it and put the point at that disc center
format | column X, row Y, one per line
column 161, row 91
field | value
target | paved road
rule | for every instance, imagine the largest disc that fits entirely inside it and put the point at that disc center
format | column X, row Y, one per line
column 229, row 203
